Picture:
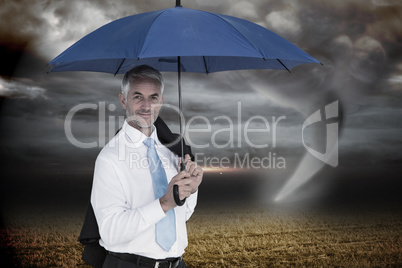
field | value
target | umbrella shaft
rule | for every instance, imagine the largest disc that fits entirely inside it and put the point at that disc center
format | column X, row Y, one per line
column 180, row 107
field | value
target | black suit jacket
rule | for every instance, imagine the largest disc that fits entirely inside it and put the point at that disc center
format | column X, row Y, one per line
column 93, row 253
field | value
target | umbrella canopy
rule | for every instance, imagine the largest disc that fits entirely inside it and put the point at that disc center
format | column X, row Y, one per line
column 205, row 42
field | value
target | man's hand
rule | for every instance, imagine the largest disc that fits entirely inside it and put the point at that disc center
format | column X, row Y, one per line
column 188, row 182
column 196, row 173
column 183, row 181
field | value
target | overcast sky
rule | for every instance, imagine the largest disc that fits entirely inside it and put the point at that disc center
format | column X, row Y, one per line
column 358, row 41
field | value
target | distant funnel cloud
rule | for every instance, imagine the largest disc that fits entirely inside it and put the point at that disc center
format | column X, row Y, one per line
column 314, row 160
column 314, row 93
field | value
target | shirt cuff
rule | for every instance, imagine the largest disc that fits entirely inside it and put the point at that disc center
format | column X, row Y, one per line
column 152, row 212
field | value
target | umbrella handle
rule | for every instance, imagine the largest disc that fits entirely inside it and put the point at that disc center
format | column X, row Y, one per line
column 176, row 189
column 176, row 196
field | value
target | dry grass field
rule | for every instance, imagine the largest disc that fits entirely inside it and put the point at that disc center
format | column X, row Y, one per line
column 253, row 236
column 294, row 238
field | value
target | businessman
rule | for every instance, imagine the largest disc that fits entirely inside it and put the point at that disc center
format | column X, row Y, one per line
column 139, row 223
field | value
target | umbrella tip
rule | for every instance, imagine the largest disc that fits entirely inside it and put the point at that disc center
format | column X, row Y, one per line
column 178, row 3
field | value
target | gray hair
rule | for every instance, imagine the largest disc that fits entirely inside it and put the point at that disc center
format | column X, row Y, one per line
column 140, row 72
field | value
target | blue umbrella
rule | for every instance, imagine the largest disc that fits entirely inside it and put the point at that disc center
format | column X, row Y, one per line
column 182, row 40
column 205, row 42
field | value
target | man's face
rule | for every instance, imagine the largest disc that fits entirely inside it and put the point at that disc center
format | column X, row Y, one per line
column 142, row 104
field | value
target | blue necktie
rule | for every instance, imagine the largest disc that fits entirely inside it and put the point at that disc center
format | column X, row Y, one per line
column 165, row 228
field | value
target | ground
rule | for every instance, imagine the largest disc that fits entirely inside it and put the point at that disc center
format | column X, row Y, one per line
column 225, row 237
column 42, row 221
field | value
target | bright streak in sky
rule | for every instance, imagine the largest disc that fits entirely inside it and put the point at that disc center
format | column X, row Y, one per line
column 219, row 170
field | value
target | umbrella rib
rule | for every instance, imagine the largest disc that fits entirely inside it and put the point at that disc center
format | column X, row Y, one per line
column 283, row 64
column 118, row 69
column 146, row 35
column 205, row 65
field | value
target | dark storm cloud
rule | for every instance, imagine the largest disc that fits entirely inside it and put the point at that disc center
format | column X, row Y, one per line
column 18, row 21
column 355, row 36
column 20, row 89
column 359, row 43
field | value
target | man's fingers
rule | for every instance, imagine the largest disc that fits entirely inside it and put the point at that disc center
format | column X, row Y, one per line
column 184, row 182
column 198, row 172
column 188, row 165
column 188, row 180
column 179, row 177
column 186, row 158
column 184, row 191
column 191, row 167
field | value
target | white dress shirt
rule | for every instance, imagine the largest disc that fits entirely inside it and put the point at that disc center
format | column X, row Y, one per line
column 123, row 197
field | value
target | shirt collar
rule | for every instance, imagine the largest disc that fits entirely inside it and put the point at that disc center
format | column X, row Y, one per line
column 137, row 137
